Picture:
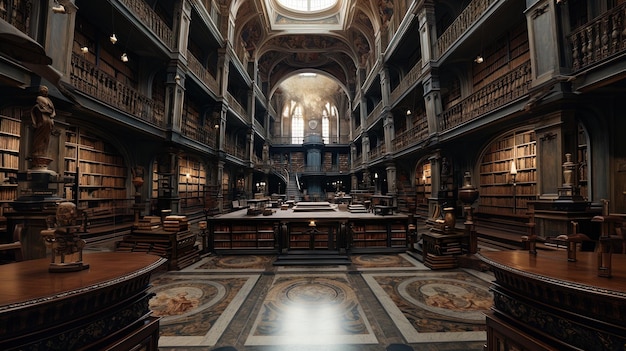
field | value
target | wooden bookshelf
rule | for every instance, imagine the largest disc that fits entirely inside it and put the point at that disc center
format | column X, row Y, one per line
column 9, row 157
column 583, row 161
column 100, row 170
column 423, row 188
column 376, row 234
column 191, row 184
column 498, row 193
column 305, row 237
column 239, row 236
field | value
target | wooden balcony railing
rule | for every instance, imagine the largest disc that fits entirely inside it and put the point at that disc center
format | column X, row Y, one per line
column 201, row 73
column 377, row 152
column 470, row 14
column 373, row 116
column 150, row 18
column 412, row 136
column 599, row 39
column 357, row 161
column 233, row 149
column 234, row 104
column 502, row 91
column 88, row 79
column 205, row 136
column 406, row 82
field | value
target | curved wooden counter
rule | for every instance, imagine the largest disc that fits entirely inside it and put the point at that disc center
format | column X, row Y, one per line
column 103, row 307
column 544, row 302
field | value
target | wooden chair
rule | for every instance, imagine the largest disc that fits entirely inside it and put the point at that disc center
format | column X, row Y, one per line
column 16, row 245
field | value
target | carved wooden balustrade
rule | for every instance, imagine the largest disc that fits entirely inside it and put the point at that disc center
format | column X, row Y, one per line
column 500, row 92
column 412, row 136
column 599, row 39
column 377, row 151
column 358, row 160
column 17, row 13
column 374, row 115
column 235, row 106
column 90, row 80
column 151, row 19
column 470, row 14
column 233, row 149
column 206, row 134
column 406, row 82
column 202, row 73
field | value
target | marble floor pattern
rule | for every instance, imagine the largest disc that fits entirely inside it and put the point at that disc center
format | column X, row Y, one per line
column 379, row 300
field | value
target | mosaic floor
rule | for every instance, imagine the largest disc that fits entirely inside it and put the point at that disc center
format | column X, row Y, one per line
column 379, row 300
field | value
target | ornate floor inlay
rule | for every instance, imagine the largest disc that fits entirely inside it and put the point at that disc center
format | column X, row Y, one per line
column 386, row 261
column 242, row 263
column 434, row 306
column 311, row 310
column 196, row 309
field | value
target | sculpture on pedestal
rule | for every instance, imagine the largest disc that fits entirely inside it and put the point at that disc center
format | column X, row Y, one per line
column 42, row 116
column 62, row 240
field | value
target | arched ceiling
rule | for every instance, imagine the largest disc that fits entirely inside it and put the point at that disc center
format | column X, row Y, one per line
column 336, row 41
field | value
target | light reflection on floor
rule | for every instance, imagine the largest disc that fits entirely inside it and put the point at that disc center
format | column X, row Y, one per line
column 379, row 300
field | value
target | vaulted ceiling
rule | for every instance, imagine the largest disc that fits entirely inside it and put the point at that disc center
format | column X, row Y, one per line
column 335, row 41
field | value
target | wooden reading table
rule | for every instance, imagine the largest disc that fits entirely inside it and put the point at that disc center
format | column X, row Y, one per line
column 104, row 307
column 544, row 302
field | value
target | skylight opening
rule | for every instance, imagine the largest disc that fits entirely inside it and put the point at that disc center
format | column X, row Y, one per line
column 307, row 5
column 308, row 75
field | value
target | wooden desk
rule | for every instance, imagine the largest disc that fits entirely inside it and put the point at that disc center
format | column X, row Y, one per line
column 544, row 302
column 103, row 307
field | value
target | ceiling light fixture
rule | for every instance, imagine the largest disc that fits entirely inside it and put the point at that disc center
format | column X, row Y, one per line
column 113, row 39
column 124, row 57
column 479, row 59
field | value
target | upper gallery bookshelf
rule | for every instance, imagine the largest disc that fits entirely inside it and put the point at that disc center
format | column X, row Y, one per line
column 191, row 182
column 423, row 188
column 100, row 171
column 508, row 174
column 9, row 163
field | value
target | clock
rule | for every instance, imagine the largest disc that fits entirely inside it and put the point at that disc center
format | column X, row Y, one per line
column 313, row 124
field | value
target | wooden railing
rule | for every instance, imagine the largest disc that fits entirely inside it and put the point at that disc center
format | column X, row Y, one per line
column 470, row 14
column 151, row 19
column 203, row 135
column 233, row 149
column 235, row 106
column 502, row 91
column 202, row 73
column 88, row 79
column 377, row 151
column 406, row 82
column 373, row 116
column 412, row 136
column 599, row 39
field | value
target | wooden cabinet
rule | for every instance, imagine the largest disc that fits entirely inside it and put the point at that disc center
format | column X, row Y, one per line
column 9, row 157
column 178, row 247
column 100, row 171
column 323, row 235
column 501, row 192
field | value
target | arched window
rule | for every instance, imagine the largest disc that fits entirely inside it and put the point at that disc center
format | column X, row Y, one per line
column 325, row 127
column 297, row 126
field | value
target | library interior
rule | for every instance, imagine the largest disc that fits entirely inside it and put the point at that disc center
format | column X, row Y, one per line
column 312, row 175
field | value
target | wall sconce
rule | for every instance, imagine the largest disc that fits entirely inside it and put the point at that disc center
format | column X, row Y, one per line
column 124, row 57
column 312, row 223
column 84, row 50
column 58, row 8
column 113, row 39
column 479, row 59
column 408, row 112
column 513, row 170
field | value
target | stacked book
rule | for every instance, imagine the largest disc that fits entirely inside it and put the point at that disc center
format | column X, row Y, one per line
column 175, row 223
column 149, row 223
